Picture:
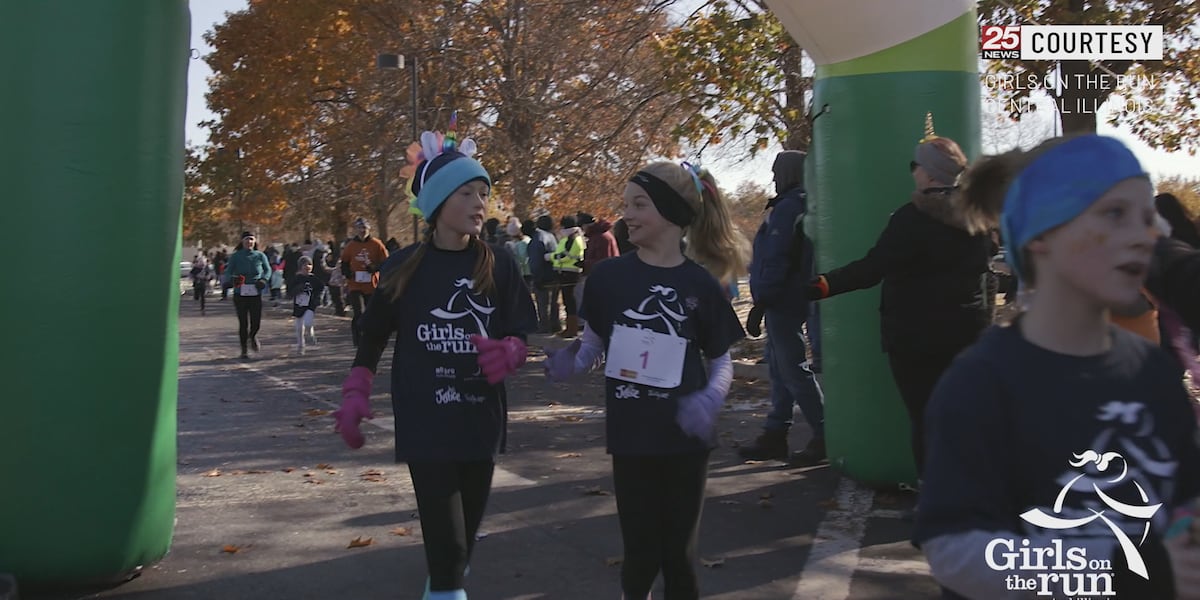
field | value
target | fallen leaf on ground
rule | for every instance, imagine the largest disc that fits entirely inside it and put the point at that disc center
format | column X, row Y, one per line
column 767, row 495
column 830, row 504
column 594, row 491
column 213, row 473
column 331, row 472
column 569, row 455
column 571, row 418
column 372, row 475
column 765, row 504
column 315, row 412
column 713, row 563
column 399, row 531
column 613, row 561
column 324, row 466
column 288, row 469
column 231, row 549
column 360, row 542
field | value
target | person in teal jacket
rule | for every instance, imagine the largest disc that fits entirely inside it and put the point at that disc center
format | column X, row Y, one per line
column 249, row 272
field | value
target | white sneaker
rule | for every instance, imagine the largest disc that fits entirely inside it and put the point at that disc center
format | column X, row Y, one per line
column 312, row 337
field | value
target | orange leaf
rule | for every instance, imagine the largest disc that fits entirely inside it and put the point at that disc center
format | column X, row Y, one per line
column 315, row 412
column 213, row 473
column 324, row 466
column 288, row 469
column 360, row 542
column 400, row 531
column 569, row 455
column 231, row 549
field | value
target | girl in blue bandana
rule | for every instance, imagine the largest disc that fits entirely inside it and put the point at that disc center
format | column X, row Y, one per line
column 1059, row 446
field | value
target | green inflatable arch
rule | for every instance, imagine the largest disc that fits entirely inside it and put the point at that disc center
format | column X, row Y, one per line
column 881, row 66
column 92, row 122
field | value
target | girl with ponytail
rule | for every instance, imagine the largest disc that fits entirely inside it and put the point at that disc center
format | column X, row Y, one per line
column 663, row 325
column 461, row 311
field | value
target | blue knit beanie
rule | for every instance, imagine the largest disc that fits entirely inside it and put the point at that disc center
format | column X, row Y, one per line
column 1059, row 185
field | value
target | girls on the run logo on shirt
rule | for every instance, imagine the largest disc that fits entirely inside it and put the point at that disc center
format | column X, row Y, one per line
column 1063, row 568
column 662, row 304
column 464, row 306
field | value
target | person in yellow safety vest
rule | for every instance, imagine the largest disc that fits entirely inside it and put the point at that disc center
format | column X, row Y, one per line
column 568, row 263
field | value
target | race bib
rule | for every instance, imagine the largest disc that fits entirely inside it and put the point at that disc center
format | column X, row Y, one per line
column 362, row 277
column 645, row 357
column 302, row 300
column 248, row 289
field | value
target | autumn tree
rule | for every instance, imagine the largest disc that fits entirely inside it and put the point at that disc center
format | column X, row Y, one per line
column 1164, row 115
column 570, row 95
column 320, row 128
column 742, row 76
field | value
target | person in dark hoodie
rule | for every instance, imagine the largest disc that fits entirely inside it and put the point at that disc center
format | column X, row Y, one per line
column 545, row 279
column 938, row 291
column 781, row 267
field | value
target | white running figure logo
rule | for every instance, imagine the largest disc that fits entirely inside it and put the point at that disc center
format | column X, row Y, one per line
column 667, row 308
column 1102, row 461
column 480, row 313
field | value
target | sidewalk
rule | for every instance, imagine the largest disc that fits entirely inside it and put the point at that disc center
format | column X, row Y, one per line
column 269, row 499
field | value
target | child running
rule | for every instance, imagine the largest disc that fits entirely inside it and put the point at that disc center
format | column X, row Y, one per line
column 460, row 311
column 659, row 316
column 1058, row 447
column 307, row 289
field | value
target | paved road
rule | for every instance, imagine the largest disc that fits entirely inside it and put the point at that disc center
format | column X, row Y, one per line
column 260, row 471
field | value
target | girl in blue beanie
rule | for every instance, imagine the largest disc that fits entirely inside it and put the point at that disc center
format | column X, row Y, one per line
column 461, row 311
column 1060, row 446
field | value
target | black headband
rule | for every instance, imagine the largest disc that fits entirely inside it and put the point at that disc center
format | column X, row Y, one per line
column 669, row 203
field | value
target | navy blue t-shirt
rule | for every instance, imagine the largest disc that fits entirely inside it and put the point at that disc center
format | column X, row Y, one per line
column 1013, row 427
column 307, row 290
column 445, row 409
column 684, row 301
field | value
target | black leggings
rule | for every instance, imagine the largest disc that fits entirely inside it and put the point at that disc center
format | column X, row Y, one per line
column 451, row 498
column 358, row 303
column 567, row 283
column 915, row 375
column 199, row 291
column 659, row 499
column 249, row 312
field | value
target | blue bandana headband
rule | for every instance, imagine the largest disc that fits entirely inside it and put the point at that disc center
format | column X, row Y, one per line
column 1059, row 185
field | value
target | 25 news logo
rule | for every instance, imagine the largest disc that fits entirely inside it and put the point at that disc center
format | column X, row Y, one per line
column 1071, row 42
column 1000, row 41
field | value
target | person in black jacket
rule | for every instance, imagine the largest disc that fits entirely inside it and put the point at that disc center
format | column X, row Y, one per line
column 545, row 279
column 938, row 292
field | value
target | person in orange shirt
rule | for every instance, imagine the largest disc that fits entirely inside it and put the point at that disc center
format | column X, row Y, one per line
column 361, row 259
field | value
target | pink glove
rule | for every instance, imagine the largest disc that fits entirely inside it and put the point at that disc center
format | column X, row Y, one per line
column 697, row 413
column 356, row 406
column 560, row 364
column 499, row 358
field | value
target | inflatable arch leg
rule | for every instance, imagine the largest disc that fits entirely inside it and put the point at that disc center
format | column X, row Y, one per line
column 92, row 164
column 881, row 66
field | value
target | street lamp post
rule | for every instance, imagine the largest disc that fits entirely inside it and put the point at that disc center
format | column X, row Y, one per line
column 396, row 61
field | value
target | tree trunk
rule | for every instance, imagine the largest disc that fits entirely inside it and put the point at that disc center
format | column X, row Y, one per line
column 799, row 128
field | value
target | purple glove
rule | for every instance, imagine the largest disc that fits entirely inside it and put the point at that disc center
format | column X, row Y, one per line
column 697, row 413
column 356, row 406
column 560, row 364
column 499, row 358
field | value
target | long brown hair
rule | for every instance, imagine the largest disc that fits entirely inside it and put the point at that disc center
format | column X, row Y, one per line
column 396, row 281
column 984, row 186
column 714, row 240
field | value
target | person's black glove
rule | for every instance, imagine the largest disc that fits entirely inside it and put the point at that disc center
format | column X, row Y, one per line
column 260, row 284
column 754, row 320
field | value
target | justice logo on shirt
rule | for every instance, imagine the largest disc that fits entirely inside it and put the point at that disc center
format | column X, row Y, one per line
column 1063, row 569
